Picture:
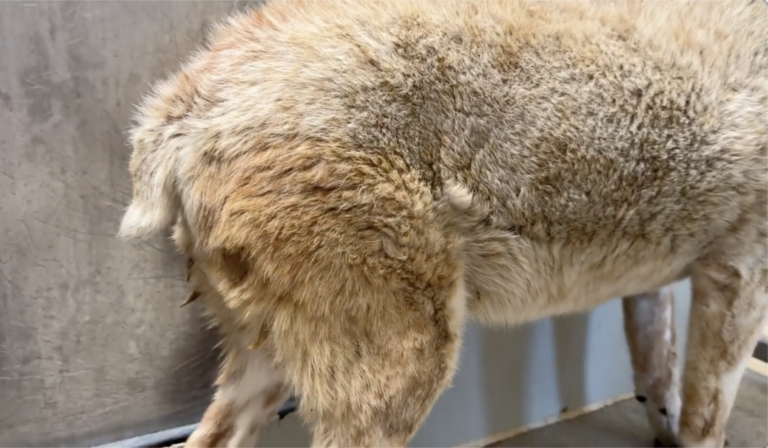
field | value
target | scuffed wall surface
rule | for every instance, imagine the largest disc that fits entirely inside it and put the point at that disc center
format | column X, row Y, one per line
column 93, row 346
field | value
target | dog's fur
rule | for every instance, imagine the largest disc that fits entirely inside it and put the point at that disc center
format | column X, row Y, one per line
column 354, row 179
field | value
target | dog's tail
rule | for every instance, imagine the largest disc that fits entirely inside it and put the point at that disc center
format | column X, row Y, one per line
column 157, row 141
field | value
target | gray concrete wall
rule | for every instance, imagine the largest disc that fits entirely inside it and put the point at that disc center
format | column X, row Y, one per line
column 93, row 347
column 92, row 343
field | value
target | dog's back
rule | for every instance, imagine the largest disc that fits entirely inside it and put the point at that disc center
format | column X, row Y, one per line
column 351, row 174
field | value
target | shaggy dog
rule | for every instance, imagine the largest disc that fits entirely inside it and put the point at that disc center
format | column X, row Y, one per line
column 352, row 180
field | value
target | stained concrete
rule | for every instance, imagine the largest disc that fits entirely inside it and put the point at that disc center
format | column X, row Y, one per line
column 624, row 424
column 93, row 347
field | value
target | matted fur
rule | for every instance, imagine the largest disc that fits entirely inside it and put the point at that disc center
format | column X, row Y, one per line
column 354, row 179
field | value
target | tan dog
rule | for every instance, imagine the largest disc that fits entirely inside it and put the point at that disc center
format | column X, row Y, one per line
column 355, row 179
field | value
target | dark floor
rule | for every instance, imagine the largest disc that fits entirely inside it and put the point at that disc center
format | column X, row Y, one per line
column 623, row 424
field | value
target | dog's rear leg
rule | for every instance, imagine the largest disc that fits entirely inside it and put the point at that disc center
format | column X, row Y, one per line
column 249, row 393
column 728, row 311
column 649, row 325
column 370, row 379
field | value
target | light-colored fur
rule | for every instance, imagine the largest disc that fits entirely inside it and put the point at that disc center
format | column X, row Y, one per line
column 650, row 329
column 354, row 179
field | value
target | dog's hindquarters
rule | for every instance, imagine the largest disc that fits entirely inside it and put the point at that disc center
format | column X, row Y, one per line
column 361, row 285
column 349, row 269
column 339, row 254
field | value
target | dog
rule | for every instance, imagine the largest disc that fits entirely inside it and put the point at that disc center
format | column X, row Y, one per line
column 353, row 180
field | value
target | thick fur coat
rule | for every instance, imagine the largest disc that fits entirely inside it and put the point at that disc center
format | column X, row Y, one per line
column 354, row 179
